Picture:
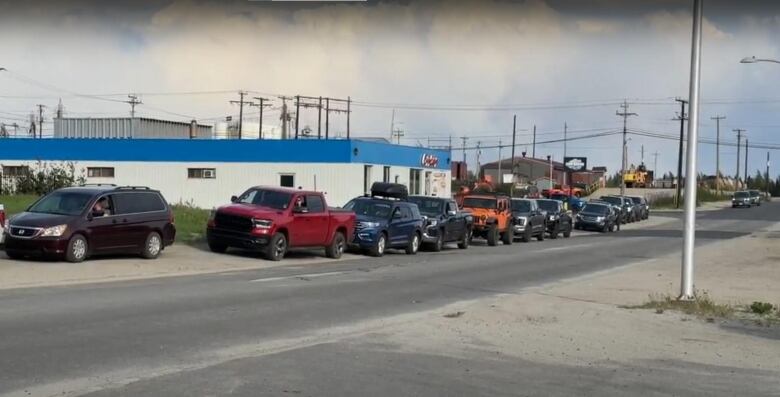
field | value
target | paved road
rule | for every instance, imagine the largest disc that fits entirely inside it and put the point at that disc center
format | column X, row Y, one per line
column 266, row 332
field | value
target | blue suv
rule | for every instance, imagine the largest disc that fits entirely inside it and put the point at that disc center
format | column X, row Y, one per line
column 386, row 220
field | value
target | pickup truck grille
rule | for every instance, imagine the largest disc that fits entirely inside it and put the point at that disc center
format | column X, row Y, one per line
column 233, row 222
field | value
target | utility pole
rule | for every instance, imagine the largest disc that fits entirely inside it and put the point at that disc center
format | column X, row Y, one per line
column 349, row 112
column 766, row 180
column 717, row 152
column 392, row 124
column 327, row 118
column 261, row 104
column 624, row 113
column 398, row 133
column 682, row 117
column 739, row 132
column 133, row 100
column 746, row 161
column 319, row 119
column 500, row 176
column 479, row 153
column 240, row 103
column 565, row 132
column 40, row 120
column 643, row 154
column 464, row 138
column 514, row 137
column 533, row 148
column 655, row 166
column 297, row 114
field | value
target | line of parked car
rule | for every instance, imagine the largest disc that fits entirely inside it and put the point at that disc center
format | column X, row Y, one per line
column 77, row 222
column 746, row 198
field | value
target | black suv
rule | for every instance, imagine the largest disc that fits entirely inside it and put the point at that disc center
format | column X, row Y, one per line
column 598, row 216
column 443, row 222
column 558, row 219
column 77, row 222
column 624, row 205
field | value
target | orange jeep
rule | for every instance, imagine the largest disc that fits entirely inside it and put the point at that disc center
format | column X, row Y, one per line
column 492, row 216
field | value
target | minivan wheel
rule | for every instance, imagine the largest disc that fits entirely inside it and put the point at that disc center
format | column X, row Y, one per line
column 77, row 249
column 153, row 246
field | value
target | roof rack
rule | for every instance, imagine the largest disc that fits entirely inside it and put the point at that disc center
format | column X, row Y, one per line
column 96, row 184
column 133, row 188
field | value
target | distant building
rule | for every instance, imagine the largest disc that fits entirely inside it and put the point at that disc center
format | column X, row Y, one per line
column 536, row 171
column 127, row 127
column 459, row 171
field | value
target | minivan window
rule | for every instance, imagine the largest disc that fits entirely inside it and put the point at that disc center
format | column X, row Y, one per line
column 133, row 203
column 62, row 203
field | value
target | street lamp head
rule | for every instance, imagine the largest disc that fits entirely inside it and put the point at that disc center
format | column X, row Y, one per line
column 1, row 69
column 749, row 60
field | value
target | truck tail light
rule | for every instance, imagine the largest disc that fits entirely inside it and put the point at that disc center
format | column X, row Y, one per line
column 2, row 215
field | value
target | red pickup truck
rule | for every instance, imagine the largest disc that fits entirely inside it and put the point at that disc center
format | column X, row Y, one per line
column 272, row 220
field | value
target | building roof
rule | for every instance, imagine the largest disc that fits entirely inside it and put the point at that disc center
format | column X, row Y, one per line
column 507, row 163
column 182, row 123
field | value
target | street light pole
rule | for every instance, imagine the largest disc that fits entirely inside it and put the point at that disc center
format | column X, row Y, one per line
column 686, row 285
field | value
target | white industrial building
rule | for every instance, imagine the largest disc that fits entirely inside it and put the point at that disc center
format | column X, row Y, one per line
column 206, row 172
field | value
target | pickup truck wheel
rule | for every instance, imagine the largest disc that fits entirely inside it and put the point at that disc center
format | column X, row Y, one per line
column 567, row 233
column 336, row 247
column 379, row 246
column 508, row 236
column 465, row 240
column 277, row 248
column 555, row 230
column 540, row 236
column 526, row 233
column 439, row 243
column 218, row 248
column 492, row 236
column 414, row 244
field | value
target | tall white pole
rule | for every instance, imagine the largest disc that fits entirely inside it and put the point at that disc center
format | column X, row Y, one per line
column 689, row 235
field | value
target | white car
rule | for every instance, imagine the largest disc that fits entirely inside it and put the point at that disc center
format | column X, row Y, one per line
column 2, row 223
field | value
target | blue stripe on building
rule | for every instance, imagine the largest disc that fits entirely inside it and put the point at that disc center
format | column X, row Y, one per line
column 230, row 151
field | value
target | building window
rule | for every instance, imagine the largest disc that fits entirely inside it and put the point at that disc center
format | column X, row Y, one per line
column 15, row 170
column 287, row 180
column 367, row 178
column 414, row 181
column 386, row 176
column 100, row 172
column 201, row 173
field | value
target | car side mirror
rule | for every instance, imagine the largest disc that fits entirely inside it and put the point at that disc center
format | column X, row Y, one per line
column 452, row 213
column 233, row 199
column 397, row 215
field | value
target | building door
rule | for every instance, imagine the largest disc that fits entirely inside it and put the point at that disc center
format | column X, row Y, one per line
column 414, row 181
column 427, row 183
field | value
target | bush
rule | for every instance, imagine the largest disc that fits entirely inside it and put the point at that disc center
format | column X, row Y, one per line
column 46, row 177
column 761, row 308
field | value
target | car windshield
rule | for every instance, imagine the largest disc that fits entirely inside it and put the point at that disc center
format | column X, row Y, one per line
column 62, row 203
column 372, row 208
column 596, row 209
column 521, row 206
column 266, row 198
column 613, row 200
column 753, row 193
column 428, row 206
column 548, row 205
column 477, row 202
column 741, row 194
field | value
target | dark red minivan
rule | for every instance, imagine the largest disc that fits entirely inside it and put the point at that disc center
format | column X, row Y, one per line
column 76, row 222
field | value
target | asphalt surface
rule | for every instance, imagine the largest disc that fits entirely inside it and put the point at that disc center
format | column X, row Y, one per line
column 268, row 332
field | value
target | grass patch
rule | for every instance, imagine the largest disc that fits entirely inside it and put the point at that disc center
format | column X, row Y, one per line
column 190, row 221
column 703, row 306
column 703, row 195
column 761, row 308
column 15, row 204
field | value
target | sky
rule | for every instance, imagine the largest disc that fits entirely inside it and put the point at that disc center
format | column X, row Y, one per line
column 434, row 69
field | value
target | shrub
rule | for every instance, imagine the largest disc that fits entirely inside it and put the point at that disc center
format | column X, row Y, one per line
column 46, row 177
column 761, row 308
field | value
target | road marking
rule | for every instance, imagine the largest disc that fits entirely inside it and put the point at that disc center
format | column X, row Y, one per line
column 565, row 248
column 300, row 276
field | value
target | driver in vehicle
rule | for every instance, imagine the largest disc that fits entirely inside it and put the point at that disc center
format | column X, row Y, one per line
column 102, row 207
